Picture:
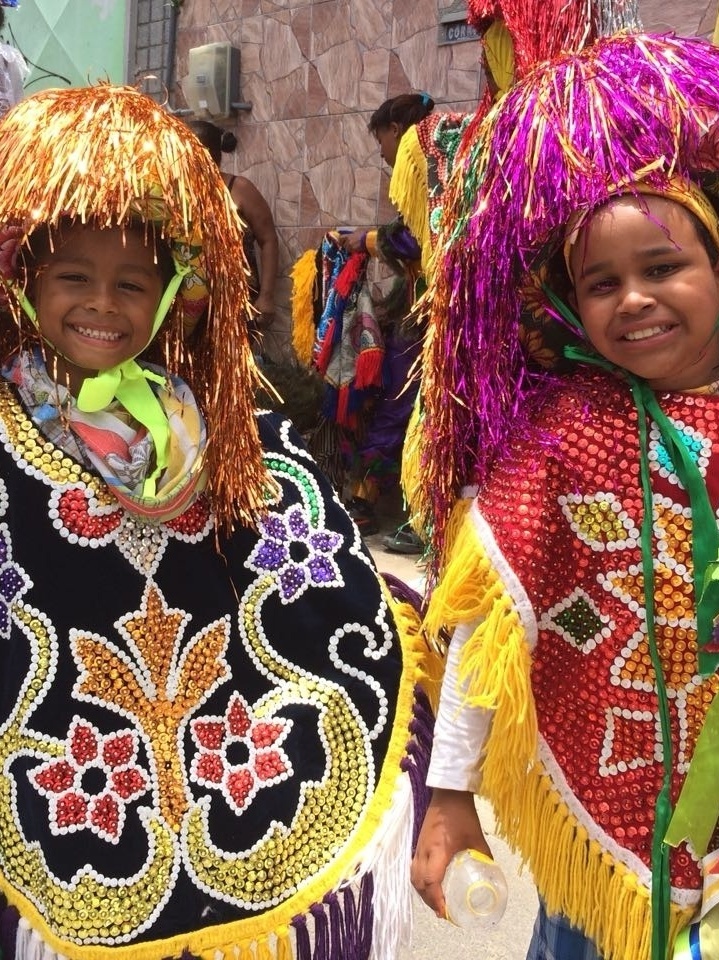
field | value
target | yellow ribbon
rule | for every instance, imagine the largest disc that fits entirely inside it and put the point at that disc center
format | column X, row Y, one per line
column 128, row 382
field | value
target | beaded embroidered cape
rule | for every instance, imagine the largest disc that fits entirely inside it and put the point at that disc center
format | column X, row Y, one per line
column 549, row 560
column 202, row 737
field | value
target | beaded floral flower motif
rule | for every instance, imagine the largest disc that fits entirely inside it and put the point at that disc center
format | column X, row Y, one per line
column 218, row 738
column 13, row 582
column 79, row 517
column 295, row 554
column 158, row 686
column 109, row 763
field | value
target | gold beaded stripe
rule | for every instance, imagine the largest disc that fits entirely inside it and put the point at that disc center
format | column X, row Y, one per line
column 44, row 456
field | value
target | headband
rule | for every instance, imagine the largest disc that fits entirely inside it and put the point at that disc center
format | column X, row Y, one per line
column 676, row 189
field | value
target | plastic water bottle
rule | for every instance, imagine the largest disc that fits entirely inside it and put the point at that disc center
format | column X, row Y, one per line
column 475, row 890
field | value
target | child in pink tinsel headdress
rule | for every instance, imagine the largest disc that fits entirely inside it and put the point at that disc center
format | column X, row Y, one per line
column 572, row 375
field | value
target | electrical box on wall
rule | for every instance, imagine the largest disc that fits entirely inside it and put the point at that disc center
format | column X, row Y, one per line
column 212, row 84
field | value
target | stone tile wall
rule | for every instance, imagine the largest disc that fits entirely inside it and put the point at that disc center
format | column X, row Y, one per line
column 314, row 70
column 152, row 35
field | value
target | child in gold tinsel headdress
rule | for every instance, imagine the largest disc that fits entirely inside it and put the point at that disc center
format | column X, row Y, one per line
column 205, row 702
column 571, row 376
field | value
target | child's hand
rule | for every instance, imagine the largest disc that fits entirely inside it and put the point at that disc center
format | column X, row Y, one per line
column 450, row 825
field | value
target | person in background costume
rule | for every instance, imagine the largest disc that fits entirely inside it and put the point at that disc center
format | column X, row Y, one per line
column 181, row 773
column 378, row 454
column 574, row 378
column 255, row 212
column 514, row 37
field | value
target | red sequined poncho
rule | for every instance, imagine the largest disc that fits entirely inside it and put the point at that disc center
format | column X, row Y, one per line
column 548, row 561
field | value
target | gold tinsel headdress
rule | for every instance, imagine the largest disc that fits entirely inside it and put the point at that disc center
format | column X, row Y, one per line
column 111, row 156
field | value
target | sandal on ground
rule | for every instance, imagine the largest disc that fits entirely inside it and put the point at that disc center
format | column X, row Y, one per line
column 403, row 540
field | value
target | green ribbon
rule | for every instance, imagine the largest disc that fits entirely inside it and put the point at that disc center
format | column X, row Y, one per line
column 661, row 882
column 129, row 383
column 705, row 534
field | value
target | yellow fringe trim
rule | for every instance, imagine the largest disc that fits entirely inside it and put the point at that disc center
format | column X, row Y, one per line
column 430, row 662
column 460, row 595
column 409, row 190
column 495, row 663
column 573, row 874
column 304, row 279
column 411, row 468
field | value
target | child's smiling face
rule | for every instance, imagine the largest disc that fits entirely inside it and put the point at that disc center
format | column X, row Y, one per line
column 647, row 293
column 96, row 296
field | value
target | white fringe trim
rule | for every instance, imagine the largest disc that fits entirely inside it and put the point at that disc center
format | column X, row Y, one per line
column 389, row 860
column 30, row 946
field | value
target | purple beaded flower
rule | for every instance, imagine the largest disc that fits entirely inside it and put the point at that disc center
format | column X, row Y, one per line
column 13, row 583
column 296, row 554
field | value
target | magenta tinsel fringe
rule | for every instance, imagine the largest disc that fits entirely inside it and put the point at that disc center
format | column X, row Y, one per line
column 630, row 107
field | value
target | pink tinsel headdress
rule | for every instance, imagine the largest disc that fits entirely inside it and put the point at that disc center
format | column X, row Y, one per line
column 629, row 108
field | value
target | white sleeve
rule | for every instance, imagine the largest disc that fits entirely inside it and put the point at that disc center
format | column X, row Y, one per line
column 461, row 730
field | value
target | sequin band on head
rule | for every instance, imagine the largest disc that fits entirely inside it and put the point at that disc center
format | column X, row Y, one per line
column 677, row 189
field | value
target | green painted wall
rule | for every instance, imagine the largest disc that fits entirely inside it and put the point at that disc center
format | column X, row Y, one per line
column 79, row 41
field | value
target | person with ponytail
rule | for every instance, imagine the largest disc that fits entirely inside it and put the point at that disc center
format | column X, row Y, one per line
column 260, row 234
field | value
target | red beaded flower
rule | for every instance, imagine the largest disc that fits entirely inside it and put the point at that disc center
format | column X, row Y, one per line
column 219, row 763
column 90, row 787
